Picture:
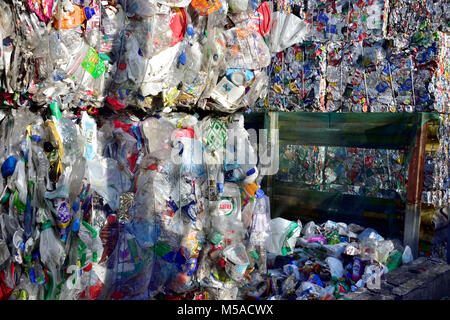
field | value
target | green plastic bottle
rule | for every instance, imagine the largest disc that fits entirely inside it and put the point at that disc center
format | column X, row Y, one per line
column 54, row 108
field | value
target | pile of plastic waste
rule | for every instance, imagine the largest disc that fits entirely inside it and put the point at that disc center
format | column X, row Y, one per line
column 326, row 261
column 128, row 210
column 160, row 208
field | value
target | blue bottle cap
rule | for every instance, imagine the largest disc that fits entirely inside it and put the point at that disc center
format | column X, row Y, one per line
column 76, row 225
column 89, row 12
column 22, row 246
column 259, row 194
column 220, row 187
column 190, row 31
column 250, row 172
column 182, row 58
column 9, row 166
column 64, row 238
column 36, row 138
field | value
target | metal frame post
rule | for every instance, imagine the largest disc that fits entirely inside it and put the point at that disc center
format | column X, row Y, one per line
column 414, row 193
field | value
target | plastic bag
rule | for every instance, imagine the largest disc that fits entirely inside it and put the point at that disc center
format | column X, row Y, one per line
column 308, row 288
column 284, row 234
column 146, row 232
column 260, row 223
column 287, row 30
column 407, row 256
column 309, row 229
column 237, row 261
column 335, row 250
column 107, row 179
column 4, row 251
column 336, row 267
column 52, row 254
column 158, row 131
column 370, row 233
column 384, row 248
column 157, row 69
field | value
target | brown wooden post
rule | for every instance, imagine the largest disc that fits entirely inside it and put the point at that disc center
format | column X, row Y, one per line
column 414, row 192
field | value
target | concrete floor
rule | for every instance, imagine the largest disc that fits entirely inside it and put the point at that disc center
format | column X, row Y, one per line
column 422, row 279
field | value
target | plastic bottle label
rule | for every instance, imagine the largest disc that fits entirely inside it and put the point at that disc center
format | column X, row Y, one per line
column 89, row 128
column 205, row 7
column 93, row 64
column 226, row 207
column 68, row 21
column 63, row 218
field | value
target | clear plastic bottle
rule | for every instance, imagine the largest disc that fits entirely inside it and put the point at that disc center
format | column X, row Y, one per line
column 93, row 16
column 260, row 225
column 57, row 49
column 240, row 156
column 262, row 259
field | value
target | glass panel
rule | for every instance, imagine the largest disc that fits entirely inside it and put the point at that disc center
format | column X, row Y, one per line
column 378, row 173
